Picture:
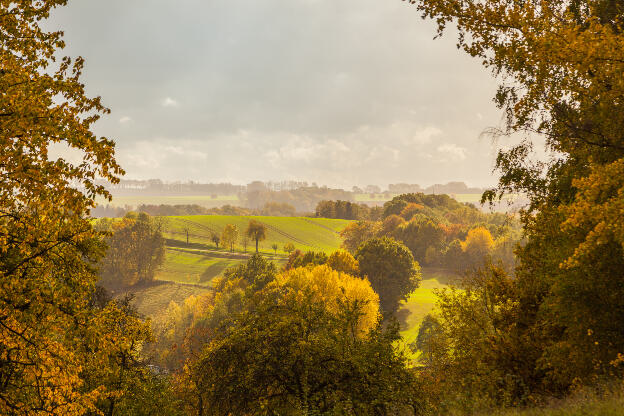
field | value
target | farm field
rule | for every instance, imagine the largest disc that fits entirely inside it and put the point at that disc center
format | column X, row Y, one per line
column 318, row 234
column 206, row 201
column 200, row 261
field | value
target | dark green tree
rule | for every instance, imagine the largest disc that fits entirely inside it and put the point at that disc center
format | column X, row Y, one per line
column 391, row 269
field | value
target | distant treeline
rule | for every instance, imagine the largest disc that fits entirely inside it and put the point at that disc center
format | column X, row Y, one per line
column 347, row 210
column 275, row 209
column 303, row 199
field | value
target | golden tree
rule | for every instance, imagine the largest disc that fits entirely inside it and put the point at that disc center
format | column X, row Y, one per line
column 46, row 240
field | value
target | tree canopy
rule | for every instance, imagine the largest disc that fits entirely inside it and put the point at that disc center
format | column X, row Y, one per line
column 48, row 243
column 391, row 269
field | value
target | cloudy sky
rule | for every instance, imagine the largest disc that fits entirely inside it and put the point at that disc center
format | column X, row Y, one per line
column 338, row 92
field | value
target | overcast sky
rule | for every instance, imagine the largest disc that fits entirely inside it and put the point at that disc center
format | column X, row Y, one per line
column 338, row 92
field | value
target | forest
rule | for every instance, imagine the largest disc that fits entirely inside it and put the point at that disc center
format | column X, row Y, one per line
column 417, row 305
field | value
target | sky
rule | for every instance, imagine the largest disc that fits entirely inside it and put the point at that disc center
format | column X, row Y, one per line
column 337, row 92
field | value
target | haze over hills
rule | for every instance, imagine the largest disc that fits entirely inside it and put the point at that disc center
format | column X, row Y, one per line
column 302, row 196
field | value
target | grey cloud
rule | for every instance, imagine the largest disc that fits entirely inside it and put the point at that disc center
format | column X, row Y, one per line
column 338, row 92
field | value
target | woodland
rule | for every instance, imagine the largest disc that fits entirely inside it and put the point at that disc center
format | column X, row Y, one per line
column 307, row 317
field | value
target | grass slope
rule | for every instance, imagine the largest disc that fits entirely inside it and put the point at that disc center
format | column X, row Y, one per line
column 153, row 300
column 422, row 301
column 200, row 261
column 317, row 234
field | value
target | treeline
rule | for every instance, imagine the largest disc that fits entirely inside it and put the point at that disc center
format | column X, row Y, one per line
column 276, row 209
column 347, row 210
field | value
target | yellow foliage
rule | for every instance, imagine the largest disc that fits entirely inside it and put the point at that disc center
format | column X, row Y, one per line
column 479, row 241
column 343, row 261
column 334, row 290
column 598, row 210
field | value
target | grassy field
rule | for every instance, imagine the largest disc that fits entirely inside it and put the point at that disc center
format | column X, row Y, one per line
column 200, row 261
column 318, row 234
column 202, row 200
column 611, row 404
column 422, row 301
column 153, row 300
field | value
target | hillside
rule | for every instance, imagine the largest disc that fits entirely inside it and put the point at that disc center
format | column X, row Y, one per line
column 199, row 261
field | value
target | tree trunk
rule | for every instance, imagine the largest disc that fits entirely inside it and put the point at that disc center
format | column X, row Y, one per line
column 257, row 244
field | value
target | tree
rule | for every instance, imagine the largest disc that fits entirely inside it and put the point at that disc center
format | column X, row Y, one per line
column 215, row 239
column 356, row 233
column 342, row 261
column 308, row 343
column 419, row 234
column 256, row 231
column 136, row 249
column 299, row 259
column 274, row 246
column 115, row 363
column 229, row 236
column 289, row 247
column 391, row 269
column 47, row 241
column 478, row 246
column 245, row 242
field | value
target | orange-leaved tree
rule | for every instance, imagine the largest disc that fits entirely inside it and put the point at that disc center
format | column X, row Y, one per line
column 47, row 243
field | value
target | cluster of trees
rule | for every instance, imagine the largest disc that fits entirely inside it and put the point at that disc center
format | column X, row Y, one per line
column 305, row 340
column 386, row 263
column 135, row 250
column 440, row 231
column 275, row 209
column 229, row 237
column 347, row 210
column 304, row 199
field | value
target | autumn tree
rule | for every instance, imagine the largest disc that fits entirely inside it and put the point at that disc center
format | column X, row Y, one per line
column 342, row 261
column 47, row 241
column 308, row 343
column 229, row 236
column 289, row 247
column 117, row 364
column 560, row 63
column 136, row 249
column 256, row 231
column 274, row 246
column 356, row 233
column 477, row 246
column 391, row 269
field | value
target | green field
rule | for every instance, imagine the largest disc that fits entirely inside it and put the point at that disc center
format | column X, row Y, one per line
column 206, row 201
column 422, row 301
column 318, row 234
column 201, row 260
